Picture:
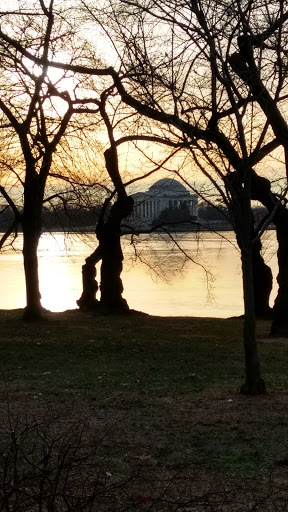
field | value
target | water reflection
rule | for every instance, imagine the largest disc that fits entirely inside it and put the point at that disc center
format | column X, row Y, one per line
column 160, row 281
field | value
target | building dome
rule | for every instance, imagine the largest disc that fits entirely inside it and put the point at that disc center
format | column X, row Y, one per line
column 164, row 195
column 167, row 186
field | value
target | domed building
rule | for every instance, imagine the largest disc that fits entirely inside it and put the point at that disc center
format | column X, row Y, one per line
column 166, row 195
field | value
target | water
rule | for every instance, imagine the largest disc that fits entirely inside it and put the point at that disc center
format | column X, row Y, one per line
column 160, row 281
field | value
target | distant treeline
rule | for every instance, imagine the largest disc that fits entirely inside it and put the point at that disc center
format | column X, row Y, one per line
column 221, row 213
column 209, row 212
column 58, row 219
column 83, row 219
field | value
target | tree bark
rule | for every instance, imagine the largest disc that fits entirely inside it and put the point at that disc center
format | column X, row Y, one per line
column 280, row 310
column 112, row 257
column 261, row 190
column 239, row 184
column 110, row 252
column 262, row 282
column 88, row 300
column 262, row 274
column 32, row 224
column 31, row 238
column 109, row 236
column 254, row 384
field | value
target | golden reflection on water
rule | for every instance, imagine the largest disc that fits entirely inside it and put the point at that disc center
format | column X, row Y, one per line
column 164, row 282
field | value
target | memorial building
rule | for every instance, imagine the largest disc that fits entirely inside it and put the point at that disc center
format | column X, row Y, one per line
column 165, row 196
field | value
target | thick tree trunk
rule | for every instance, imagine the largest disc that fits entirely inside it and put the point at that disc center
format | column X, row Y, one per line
column 88, row 300
column 109, row 236
column 262, row 282
column 261, row 190
column 110, row 252
column 262, row 274
column 32, row 223
column 280, row 311
column 254, row 384
column 33, row 297
column 111, row 283
column 240, row 187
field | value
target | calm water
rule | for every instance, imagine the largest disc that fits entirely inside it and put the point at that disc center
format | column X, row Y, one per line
column 160, row 281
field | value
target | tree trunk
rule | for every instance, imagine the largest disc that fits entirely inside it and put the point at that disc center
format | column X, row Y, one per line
column 280, row 311
column 110, row 252
column 240, row 188
column 112, row 257
column 109, row 236
column 261, row 190
column 33, row 297
column 262, row 274
column 32, row 223
column 254, row 384
column 88, row 300
column 262, row 282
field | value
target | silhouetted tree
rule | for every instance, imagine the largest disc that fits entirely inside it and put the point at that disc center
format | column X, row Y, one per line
column 109, row 252
column 180, row 76
column 268, row 90
column 207, row 109
column 108, row 232
column 36, row 112
column 23, row 103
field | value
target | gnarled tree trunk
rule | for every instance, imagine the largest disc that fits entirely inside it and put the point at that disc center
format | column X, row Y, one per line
column 262, row 282
column 262, row 274
column 112, row 257
column 280, row 310
column 261, row 190
column 110, row 252
column 88, row 300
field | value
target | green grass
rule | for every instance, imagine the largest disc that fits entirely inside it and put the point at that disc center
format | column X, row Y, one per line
column 142, row 360
column 145, row 355
column 162, row 390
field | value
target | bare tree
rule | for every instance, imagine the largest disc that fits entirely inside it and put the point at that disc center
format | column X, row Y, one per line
column 260, row 62
column 37, row 110
column 47, row 132
column 175, row 70
column 108, row 232
column 118, row 205
column 184, row 81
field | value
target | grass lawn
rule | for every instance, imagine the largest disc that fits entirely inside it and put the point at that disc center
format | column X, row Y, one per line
column 153, row 408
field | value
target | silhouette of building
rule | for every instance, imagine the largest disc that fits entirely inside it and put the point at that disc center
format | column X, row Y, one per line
column 167, row 197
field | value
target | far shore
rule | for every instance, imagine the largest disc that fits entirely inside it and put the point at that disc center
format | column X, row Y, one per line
column 202, row 225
